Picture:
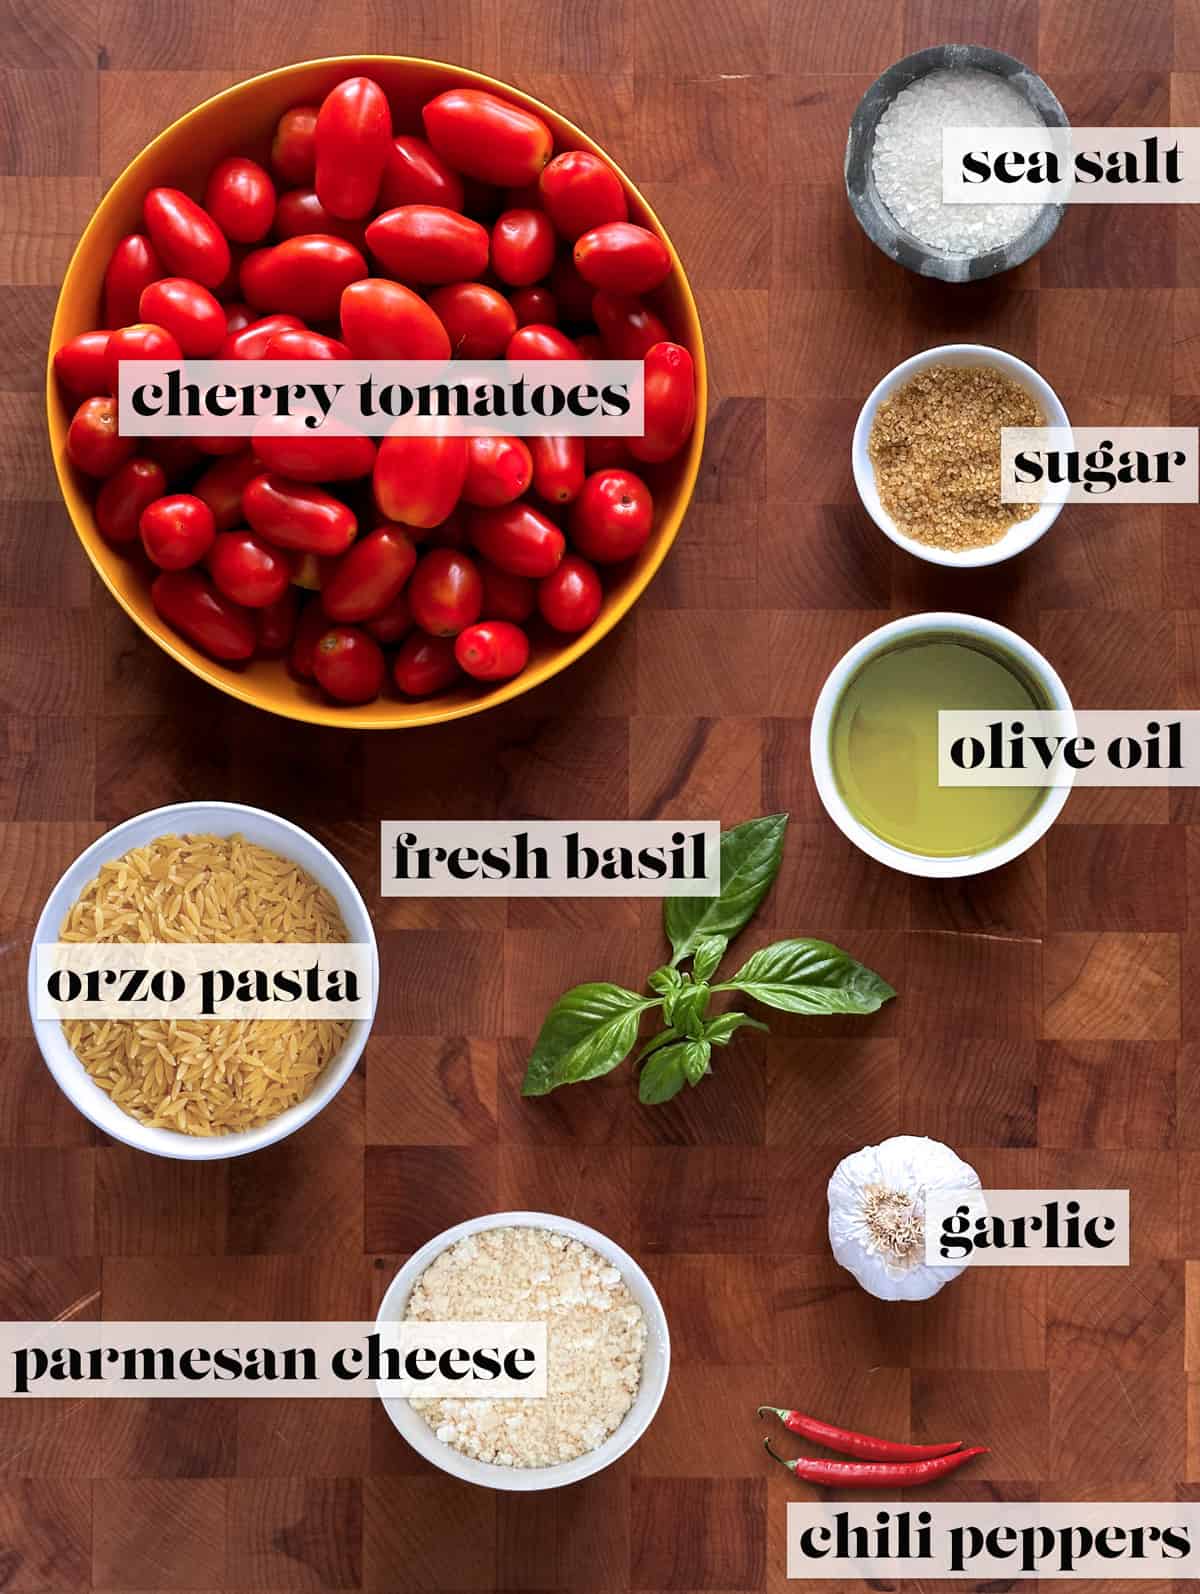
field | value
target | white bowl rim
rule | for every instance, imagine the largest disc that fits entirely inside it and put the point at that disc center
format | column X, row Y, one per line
column 1021, row 534
column 95, row 1104
column 417, row 1432
column 834, row 803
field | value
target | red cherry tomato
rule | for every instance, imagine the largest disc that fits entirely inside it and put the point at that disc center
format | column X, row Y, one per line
column 275, row 625
column 417, row 175
column 142, row 341
column 120, row 501
column 349, row 665
column 488, row 138
column 237, row 316
column 523, row 247
column 629, row 329
column 133, row 265
column 493, row 650
column 177, row 531
column 191, row 314
column 569, row 598
column 299, row 211
column 601, row 453
column 540, row 343
column 220, row 445
column 240, row 198
column 499, row 469
column 302, row 276
column 81, row 365
column 176, row 455
column 293, row 150
column 222, row 485
column 622, row 257
column 573, row 295
column 297, row 515
column 94, row 445
column 188, row 241
column 250, row 342
column 612, row 517
column 310, row 628
column 369, row 577
column 392, row 623
column 335, row 455
column 558, row 468
column 248, row 570
column 418, row 480
column 188, row 601
column 424, row 664
column 580, row 191
column 383, row 320
column 353, row 141
column 519, row 539
column 478, row 321
column 534, row 307
column 446, row 592
column 428, row 244
column 298, row 343
column 505, row 596
column 670, row 403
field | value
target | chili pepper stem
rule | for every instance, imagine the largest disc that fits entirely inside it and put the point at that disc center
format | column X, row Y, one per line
column 782, row 1460
column 776, row 1411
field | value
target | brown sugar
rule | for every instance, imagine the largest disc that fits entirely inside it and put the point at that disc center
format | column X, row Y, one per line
column 935, row 446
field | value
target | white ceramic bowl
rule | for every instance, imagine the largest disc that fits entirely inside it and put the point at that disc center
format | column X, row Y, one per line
column 655, row 1367
column 1023, row 533
column 222, row 819
column 874, row 846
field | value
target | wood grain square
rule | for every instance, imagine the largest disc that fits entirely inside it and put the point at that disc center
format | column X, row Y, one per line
column 707, row 131
column 159, row 1206
column 733, row 469
column 53, row 211
column 296, row 1533
column 52, row 1438
column 1111, row 987
column 713, row 563
column 47, row 1201
column 36, row 1289
column 831, row 343
column 413, row 1192
column 702, row 662
column 804, row 645
column 1112, row 558
column 966, row 986
column 706, row 1426
column 1109, row 1095
column 727, row 1107
column 286, row 1289
column 718, row 1307
column 1108, row 246
column 990, row 1318
column 540, row 965
column 1114, row 340
column 833, row 1092
column 598, row 1115
column 822, row 1318
column 700, row 1198
column 972, row 1092
column 815, row 239
column 303, row 1193
column 1007, row 1411
column 441, row 1532
column 807, row 460
column 684, row 768
column 158, row 1533
column 1009, row 901
column 1110, row 1424
column 1099, row 673
column 426, row 1090
column 699, row 1533
column 592, row 1184
column 822, row 556
column 168, row 1438
column 33, row 1110
column 1010, row 26
column 824, row 866
column 45, row 1527
column 279, row 1439
column 576, row 1538
column 859, row 38
column 1117, row 877
column 1116, row 1318
column 435, row 982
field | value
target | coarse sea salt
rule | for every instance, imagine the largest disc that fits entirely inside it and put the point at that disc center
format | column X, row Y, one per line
column 906, row 158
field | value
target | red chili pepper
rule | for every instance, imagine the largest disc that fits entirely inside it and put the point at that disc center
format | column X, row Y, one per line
column 873, row 1474
column 848, row 1443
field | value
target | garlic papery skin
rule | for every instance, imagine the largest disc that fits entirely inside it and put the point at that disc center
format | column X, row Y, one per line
column 877, row 1214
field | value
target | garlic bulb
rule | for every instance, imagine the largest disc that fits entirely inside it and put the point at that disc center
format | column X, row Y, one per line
column 877, row 1214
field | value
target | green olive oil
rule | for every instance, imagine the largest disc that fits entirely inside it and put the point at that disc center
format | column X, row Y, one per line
column 884, row 745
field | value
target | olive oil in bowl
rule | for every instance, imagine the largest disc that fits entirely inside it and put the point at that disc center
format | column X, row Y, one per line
column 884, row 744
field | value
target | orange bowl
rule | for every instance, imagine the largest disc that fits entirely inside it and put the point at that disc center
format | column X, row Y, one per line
column 242, row 119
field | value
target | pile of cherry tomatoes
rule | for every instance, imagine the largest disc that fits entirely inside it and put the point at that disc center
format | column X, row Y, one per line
column 473, row 241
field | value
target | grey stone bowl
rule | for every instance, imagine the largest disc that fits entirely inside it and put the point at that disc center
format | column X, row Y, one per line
column 880, row 226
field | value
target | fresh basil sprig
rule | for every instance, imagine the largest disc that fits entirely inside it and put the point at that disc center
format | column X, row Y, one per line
column 594, row 1027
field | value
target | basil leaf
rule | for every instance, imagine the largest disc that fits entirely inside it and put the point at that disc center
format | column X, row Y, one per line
column 665, row 980
column 686, row 1009
column 721, row 1030
column 662, row 1077
column 750, row 857
column 707, row 955
column 587, row 1032
column 696, row 1055
column 665, row 1037
column 805, row 976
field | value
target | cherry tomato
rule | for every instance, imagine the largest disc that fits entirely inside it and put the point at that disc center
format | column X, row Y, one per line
column 569, row 598
column 293, row 150
column 177, row 531
column 417, row 175
column 353, row 140
column 220, row 446
column 299, row 211
column 446, row 592
column 188, row 601
column 558, row 468
column 523, row 247
column 237, row 316
column 248, row 570
column 580, row 191
column 424, row 664
column 540, row 343
column 188, row 240
column 418, row 480
column 275, row 625
column 505, row 596
column 478, row 321
column 499, row 469
column 250, row 342
column 336, row 454
column 392, row 623
column 612, row 517
column 622, row 257
column 297, row 515
column 310, row 628
column 488, row 138
column 349, row 665
column 133, row 265
column 142, row 341
column 670, row 403
column 383, row 320
column 519, row 539
column 222, row 485
column 298, row 343
column 81, row 365
column 493, row 650
column 534, row 306
column 176, row 455
column 240, row 198
column 94, row 445
column 600, row 453
column 573, row 295
column 302, row 276
column 629, row 328
column 120, row 501
column 428, row 244
column 189, row 313
column 369, row 577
